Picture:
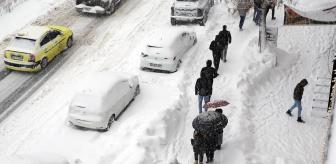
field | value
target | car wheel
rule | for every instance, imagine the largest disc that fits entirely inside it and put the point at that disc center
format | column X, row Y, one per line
column 205, row 18
column 108, row 126
column 69, row 42
column 137, row 91
column 44, row 63
column 195, row 41
column 111, row 8
column 173, row 21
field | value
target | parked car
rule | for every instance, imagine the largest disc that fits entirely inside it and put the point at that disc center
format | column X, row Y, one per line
column 97, row 6
column 102, row 99
column 190, row 10
column 35, row 46
column 166, row 50
column 37, row 158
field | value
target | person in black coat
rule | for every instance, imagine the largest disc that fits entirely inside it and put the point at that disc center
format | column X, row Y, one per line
column 216, row 47
column 225, row 37
column 203, row 88
column 298, row 92
column 224, row 122
column 257, row 12
column 209, row 71
column 199, row 146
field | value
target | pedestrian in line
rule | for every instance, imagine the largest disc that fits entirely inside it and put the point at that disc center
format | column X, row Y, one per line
column 298, row 92
column 217, row 48
column 210, row 74
column 271, row 5
column 199, row 146
column 243, row 7
column 225, row 36
column 224, row 122
column 257, row 12
column 211, row 147
column 203, row 88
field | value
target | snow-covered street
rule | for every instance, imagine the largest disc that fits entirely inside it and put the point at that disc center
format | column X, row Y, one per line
column 156, row 127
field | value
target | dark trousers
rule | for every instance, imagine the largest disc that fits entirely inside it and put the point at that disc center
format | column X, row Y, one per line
column 216, row 59
column 198, row 156
column 210, row 154
column 241, row 22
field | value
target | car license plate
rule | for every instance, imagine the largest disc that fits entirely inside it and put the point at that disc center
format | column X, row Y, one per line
column 155, row 65
column 17, row 57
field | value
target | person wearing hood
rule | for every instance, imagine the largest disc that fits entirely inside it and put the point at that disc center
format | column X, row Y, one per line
column 217, row 48
column 298, row 92
column 203, row 88
column 224, row 122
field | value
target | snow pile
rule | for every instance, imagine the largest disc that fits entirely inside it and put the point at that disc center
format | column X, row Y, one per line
column 24, row 13
column 8, row 5
column 332, row 148
column 322, row 10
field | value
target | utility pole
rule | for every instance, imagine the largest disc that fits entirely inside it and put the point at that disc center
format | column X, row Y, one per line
column 262, row 28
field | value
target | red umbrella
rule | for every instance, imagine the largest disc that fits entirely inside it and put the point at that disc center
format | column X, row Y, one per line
column 216, row 104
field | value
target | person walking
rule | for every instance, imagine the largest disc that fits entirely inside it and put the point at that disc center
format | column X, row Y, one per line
column 271, row 5
column 211, row 147
column 217, row 48
column 257, row 12
column 210, row 74
column 199, row 146
column 298, row 92
column 225, row 37
column 203, row 88
column 243, row 7
column 224, row 122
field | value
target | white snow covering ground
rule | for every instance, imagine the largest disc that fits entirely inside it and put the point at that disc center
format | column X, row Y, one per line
column 156, row 127
column 24, row 14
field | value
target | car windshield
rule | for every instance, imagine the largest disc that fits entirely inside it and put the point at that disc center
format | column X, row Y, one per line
column 23, row 44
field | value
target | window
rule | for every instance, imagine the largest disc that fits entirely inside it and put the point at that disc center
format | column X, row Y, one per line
column 45, row 40
column 54, row 34
column 23, row 43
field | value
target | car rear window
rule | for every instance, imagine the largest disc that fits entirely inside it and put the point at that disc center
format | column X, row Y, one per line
column 23, row 44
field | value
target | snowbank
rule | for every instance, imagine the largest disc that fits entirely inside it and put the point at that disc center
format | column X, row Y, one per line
column 332, row 144
column 24, row 13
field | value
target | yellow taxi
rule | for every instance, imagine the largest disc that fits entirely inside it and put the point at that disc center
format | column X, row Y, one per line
column 35, row 46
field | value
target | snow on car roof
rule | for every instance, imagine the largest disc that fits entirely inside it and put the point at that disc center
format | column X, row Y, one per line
column 32, row 32
column 165, row 37
column 99, row 83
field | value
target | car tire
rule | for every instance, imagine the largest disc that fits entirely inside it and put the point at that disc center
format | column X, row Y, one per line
column 111, row 8
column 204, row 20
column 69, row 42
column 137, row 91
column 173, row 21
column 44, row 63
column 109, row 123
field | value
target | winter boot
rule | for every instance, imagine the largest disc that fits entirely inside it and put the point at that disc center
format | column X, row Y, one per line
column 289, row 113
column 300, row 120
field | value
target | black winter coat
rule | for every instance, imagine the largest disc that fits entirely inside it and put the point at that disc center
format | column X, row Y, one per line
column 298, row 91
column 216, row 47
column 225, row 37
column 203, row 87
column 199, row 144
column 209, row 72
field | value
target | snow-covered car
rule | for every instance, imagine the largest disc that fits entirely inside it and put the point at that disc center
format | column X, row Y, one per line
column 35, row 46
column 190, row 10
column 102, row 99
column 165, row 52
column 97, row 6
column 37, row 158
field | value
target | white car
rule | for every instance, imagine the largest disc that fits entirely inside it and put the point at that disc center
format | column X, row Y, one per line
column 38, row 158
column 166, row 51
column 102, row 100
